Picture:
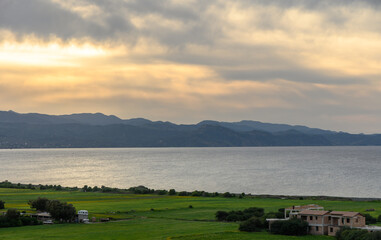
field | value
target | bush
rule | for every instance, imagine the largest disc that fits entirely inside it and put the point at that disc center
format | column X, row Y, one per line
column 161, row 192
column 206, row 194
column 352, row 234
column 375, row 236
column 197, row 193
column 370, row 219
column 234, row 216
column 293, row 227
column 254, row 211
column 221, row 215
column 13, row 219
column 228, row 195
column 253, row 224
column 183, row 193
column 139, row 190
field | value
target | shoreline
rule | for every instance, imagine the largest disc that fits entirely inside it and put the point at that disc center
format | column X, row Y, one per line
column 144, row 190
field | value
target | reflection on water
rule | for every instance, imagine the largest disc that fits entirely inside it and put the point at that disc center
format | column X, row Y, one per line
column 334, row 171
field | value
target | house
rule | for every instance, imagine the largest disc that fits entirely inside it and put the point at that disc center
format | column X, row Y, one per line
column 296, row 209
column 292, row 211
column 328, row 223
column 317, row 221
column 322, row 222
column 42, row 216
column 83, row 216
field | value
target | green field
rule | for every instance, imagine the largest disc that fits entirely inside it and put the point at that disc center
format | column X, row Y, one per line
column 171, row 217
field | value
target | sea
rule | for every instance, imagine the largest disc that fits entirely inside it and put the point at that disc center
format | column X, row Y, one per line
column 313, row 171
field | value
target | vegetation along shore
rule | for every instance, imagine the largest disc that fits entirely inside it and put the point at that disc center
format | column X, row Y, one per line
column 143, row 213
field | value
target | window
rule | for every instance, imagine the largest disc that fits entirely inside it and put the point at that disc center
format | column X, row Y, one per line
column 331, row 229
column 329, row 218
column 310, row 217
column 348, row 220
column 316, row 218
column 317, row 228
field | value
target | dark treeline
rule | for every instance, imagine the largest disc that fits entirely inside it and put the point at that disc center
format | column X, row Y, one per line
column 131, row 190
column 14, row 218
column 60, row 211
column 145, row 190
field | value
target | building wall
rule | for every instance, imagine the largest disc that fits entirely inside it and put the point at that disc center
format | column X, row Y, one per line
column 332, row 230
column 316, row 223
column 357, row 221
column 317, row 230
column 81, row 217
column 315, row 219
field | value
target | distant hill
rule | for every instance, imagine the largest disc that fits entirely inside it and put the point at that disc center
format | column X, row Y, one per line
column 35, row 130
column 246, row 125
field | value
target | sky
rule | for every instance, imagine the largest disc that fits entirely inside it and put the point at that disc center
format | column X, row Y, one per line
column 306, row 62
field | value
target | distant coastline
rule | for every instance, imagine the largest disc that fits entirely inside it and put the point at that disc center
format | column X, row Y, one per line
column 145, row 190
column 102, row 131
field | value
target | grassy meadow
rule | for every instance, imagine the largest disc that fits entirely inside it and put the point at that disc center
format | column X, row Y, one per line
column 155, row 216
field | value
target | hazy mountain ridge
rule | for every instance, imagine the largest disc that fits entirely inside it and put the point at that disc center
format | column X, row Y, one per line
column 102, row 119
column 99, row 130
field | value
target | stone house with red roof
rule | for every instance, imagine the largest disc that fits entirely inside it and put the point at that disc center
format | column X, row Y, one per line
column 328, row 223
column 323, row 222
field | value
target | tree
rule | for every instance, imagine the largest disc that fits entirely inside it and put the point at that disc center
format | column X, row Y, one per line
column 172, row 192
column 40, row 204
column 13, row 214
column 13, row 218
column 2, row 204
column 61, row 210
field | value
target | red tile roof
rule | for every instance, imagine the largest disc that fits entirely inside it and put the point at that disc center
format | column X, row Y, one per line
column 309, row 206
column 345, row 214
column 314, row 212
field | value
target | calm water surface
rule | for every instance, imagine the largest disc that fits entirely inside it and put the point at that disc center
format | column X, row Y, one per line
column 334, row 171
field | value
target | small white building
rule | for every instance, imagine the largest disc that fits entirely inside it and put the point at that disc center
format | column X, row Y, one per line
column 83, row 216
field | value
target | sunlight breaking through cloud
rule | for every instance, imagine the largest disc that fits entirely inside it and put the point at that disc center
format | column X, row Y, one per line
column 298, row 62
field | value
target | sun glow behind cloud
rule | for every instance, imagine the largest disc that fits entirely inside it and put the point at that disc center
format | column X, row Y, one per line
column 32, row 53
column 195, row 60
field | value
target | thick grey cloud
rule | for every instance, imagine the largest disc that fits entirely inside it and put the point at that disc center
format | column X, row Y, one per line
column 45, row 19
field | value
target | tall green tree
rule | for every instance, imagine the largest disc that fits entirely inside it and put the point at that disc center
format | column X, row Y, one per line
column 40, row 204
column 61, row 210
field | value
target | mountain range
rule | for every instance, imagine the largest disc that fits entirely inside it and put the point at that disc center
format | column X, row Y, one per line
column 34, row 130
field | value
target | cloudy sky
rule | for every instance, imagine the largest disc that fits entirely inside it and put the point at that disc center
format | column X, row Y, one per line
column 309, row 62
